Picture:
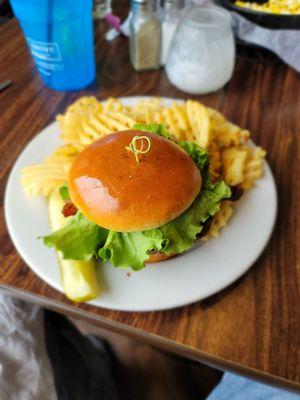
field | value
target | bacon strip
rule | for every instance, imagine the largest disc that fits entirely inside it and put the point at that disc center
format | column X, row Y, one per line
column 69, row 209
column 236, row 192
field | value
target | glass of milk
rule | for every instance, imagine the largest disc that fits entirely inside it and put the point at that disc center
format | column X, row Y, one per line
column 202, row 53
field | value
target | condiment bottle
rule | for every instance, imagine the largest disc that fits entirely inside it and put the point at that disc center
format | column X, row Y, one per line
column 145, row 35
column 170, row 16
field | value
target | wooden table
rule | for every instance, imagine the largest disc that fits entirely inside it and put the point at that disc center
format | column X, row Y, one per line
column 252, row 327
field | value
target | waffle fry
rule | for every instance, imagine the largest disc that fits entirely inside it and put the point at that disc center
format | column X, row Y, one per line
column 158, row 118
column 103, row 124
column 226, row 133
column 171, row 123
column 183, row 129
column 199, row 122
column 113, row 105
column 254, row 167
column 154, row 103
column 145, row 110
column 71, row 122
column 127, row 121
column 233, row 165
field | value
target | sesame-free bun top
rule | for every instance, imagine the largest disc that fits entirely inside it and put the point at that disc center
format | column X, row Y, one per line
column 116, row 192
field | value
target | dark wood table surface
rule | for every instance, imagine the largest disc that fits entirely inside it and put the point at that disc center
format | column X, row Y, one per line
column 252, row 327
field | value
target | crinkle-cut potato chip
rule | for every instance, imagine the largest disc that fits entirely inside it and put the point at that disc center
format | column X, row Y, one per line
column 233, row 165
column 199, row 121
column 225, row 132
column 63, row 156
column 88, row 119
column 40, row 179
column 68, row 152
column 254, row 167
column 219, row 220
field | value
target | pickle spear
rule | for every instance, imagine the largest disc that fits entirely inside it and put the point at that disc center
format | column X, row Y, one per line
column 79, row 278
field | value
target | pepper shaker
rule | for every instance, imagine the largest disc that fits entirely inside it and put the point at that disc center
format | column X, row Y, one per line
column 145, row 35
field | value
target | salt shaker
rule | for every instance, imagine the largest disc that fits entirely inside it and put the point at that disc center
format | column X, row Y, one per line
column 170, row 16
column 145, row 35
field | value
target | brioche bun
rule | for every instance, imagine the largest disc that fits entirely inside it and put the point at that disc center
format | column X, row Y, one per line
column 116, row 192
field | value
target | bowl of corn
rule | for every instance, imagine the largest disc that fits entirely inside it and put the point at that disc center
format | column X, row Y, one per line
column 272, row 14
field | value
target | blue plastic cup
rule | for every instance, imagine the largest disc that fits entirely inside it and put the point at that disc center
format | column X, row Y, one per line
column 59, row 34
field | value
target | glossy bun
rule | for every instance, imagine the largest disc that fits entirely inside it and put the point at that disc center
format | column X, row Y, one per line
column 116, row 192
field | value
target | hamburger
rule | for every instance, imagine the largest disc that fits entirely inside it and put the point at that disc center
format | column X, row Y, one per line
column 136, row 197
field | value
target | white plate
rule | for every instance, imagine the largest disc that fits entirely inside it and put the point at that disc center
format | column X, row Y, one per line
column 199, row 273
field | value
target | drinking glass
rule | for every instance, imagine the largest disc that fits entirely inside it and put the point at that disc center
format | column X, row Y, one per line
column 202, row 52
column 59, row 34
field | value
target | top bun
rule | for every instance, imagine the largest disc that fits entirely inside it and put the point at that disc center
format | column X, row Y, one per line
column 116, row 192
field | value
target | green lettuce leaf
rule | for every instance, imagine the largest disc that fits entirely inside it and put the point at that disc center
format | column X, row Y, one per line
column 198, row 155
column 159, row 129
column 64, row 193
column 79, row 239
column 182, row 231
column 131, row 249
